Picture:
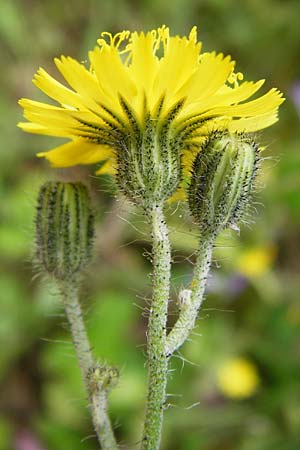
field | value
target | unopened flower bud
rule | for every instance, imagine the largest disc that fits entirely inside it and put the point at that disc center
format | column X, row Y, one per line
column 222, row 181
column 64, row 229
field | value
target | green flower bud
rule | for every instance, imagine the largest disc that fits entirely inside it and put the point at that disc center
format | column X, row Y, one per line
column 64, row 229
column 222, row 181
column 149, row 167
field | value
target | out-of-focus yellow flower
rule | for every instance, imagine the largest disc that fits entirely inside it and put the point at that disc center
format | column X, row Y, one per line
column 238, row 378
column 140, row 89
column 254, row 262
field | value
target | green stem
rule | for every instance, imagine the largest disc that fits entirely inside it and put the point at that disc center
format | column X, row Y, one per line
column 157, row 360
column 89, row 369
column 193, row 298
column 101, row 420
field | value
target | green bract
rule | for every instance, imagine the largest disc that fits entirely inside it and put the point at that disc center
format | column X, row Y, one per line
column 149, row 168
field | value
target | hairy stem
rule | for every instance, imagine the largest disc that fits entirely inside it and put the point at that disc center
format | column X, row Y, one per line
column 89, row 369
column 192, row 302
column 101, row 420
column 157, row 360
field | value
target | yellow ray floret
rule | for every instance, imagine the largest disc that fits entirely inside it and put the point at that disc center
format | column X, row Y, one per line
column 132, row 77
column 79, row 151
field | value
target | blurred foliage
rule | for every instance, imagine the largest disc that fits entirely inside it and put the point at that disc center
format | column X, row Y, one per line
column 252, row 308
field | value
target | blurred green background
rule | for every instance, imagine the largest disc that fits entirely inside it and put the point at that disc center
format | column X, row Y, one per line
column 252, row 308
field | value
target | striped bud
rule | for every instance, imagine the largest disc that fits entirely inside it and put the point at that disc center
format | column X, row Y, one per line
column 222, row 181
column 64, row 229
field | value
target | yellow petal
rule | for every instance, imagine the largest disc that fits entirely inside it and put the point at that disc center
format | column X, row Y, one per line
column 35, row 128
column 211, row 74
column 66, row 119
column 223, row 97
column 79, row 151
column 244, row 125
column 187, row 159
column 26, row 103
column 144, row 63
column 179, row 195
column 82, row 81
column 252, row 123
column 56, row 90
column 113, row 76
column 179, row 62
column 78, row 77
column 108, row 168
column 143, row 68
column 47, row 114
column 262, row 105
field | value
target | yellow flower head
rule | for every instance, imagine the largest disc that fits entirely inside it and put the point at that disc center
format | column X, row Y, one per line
column 152, row 97
column 238, row 378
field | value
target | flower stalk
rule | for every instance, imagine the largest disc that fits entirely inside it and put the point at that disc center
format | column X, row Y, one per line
column 96, row 391
column 157, row 359
column 64, row 239
column 193, row 297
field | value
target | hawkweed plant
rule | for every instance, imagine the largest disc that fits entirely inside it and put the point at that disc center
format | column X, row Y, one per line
column 168, row 123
